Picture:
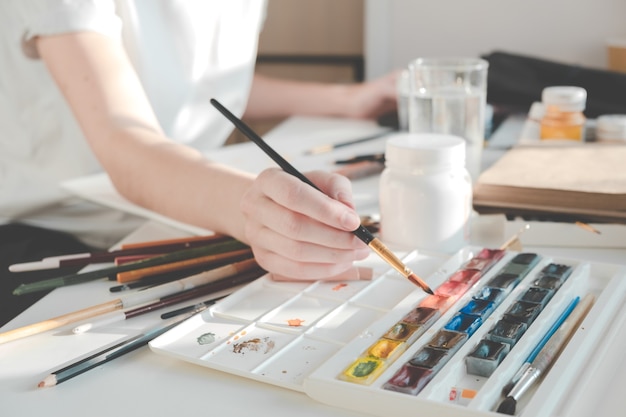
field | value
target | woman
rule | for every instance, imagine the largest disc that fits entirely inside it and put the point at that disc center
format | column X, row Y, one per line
column 125, row 86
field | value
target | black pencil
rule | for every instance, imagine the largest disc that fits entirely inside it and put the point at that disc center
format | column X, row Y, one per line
column 108, row 354
column 361, row 232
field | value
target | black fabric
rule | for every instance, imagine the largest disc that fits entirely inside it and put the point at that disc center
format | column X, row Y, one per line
column 22, row 243
column 516, row 81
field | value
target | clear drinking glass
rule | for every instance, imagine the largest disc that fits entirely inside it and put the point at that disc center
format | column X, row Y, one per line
column 449, row 95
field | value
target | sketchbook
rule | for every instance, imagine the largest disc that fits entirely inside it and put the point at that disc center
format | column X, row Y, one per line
column 583, row 182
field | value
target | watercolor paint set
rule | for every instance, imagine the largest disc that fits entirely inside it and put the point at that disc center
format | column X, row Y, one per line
column 386, row 347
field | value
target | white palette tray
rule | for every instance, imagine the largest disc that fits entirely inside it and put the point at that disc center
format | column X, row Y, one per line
column 310, row 337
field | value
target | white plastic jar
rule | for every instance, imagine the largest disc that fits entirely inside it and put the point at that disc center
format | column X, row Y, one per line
column 611, row 128
column 425, row 193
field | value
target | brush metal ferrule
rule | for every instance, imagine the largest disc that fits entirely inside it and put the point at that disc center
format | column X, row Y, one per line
column 525, row 382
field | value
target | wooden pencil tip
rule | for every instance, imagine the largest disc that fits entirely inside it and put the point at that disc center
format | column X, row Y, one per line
column 48, row 381
column 429, row 291
column 19, row 290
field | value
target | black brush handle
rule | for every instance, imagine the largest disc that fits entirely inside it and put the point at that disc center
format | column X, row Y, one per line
column 361, row 232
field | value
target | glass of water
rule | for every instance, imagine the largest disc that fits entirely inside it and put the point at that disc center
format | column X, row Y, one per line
column 449, row 95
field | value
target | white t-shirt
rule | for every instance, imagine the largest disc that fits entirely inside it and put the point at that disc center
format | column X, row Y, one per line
column 185, row 52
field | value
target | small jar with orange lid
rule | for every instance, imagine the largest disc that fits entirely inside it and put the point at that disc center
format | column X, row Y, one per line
column 563, row 117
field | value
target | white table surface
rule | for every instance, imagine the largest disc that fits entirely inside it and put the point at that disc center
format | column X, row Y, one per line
column 143, row 383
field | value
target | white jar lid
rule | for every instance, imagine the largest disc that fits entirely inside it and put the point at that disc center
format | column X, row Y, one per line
column 567, row 98
column 611, row 127
column 424, row 151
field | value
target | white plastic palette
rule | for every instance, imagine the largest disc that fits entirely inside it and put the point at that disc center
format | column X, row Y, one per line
column 310, row 337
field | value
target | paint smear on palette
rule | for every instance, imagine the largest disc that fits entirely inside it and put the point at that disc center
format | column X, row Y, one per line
column 337, row 290
column 206, row 339
column 263, row 345
column 199, row 335
column 295, row 322
column 237, row 336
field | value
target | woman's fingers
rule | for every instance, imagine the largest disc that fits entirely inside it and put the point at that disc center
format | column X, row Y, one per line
column 298, row 232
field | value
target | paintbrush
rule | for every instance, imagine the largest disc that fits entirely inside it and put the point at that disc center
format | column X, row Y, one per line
column 332, row 146
column 546, row 357
column 361, row 232
column 542, row 342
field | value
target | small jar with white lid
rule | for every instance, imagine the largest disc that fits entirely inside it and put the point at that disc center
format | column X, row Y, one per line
column 425, row 193
column 611, row 128
column 563, row 117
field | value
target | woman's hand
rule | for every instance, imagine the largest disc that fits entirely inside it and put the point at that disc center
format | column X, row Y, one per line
column 298, row 233
column 372, row 99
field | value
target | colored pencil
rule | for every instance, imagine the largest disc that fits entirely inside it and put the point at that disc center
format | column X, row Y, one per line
column 129, row 300
column 207, row 261
column 142, row 248
column 588, row 227
column 184, row 241
column 361, row 232
column 152, row 280
column 108, row 354
column 121, row 260
column 180, row 255
column 224, row 284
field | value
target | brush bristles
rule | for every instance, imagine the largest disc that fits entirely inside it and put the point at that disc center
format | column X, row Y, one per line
column 507, row 388
column 508, row 406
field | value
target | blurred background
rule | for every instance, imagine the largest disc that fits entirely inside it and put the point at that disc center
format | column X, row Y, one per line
column 352, row 40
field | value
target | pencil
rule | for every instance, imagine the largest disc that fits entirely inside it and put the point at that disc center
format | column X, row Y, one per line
column 184, row 241
column 129, row 300
column 208, row 260
column 588, row 227
column 176, row 256
column 332, row 146
column 152, row 280
column 158, row 247
column 108, row 354
column 223, row 284
column 361, row 232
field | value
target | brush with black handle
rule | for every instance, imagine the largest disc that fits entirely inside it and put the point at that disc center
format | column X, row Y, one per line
column 361, row 232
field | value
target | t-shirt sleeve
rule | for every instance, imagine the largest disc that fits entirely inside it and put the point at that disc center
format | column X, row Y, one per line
column 53, row 17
